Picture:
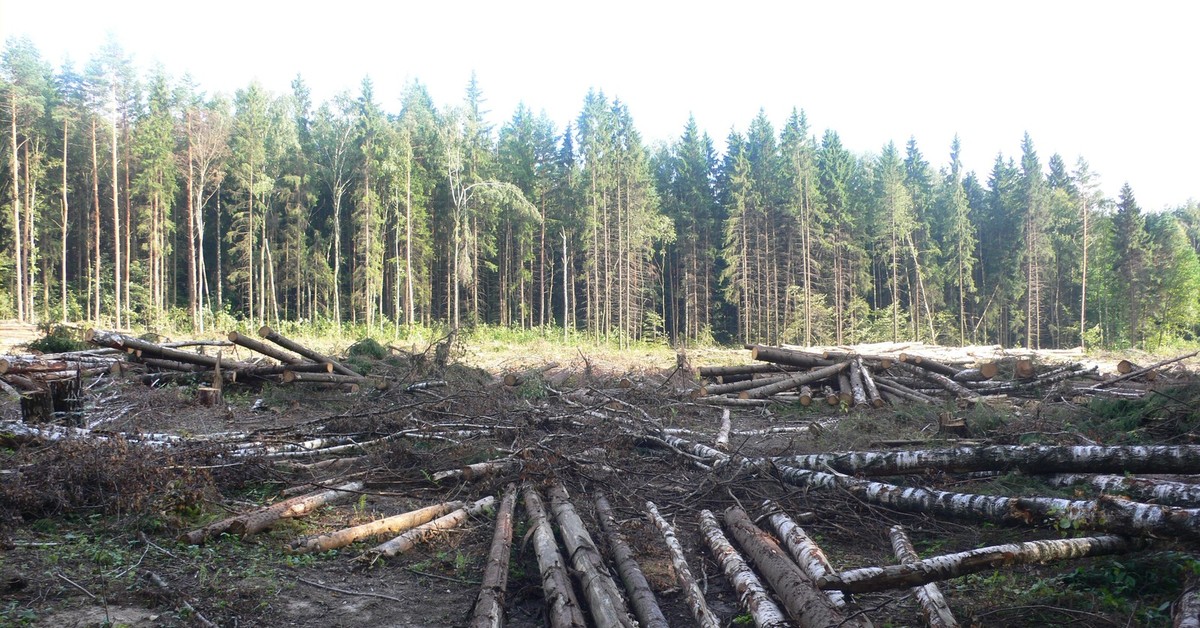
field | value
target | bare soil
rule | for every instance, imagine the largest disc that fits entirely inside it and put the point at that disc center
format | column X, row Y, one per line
column 91, row 526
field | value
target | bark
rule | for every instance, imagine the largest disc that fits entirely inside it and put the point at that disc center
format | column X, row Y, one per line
column 747, row 384
column 489, row 606
column 869, row 383
column 199, row 535
column 793, row 382
column 683, row 575
column 933, row 604
column 971, row 375
column 1142, row 489
column 1164, row 459
column 929, row 365
column 427, row 531
column 903, row 392
column 290, row 376
column 1186, row 611
column 736, row 403
column 273, row 336
column 750, row 590
column 941, row 380
column 478, row 470
column 870, row 579
column 119, row 341
column 604, row 598
column 1024, row 369
column 807, row 605
column 641, row 597
column 744, row 369
column 295, row 507
column 806, row 396
column 396, row 523
column 263, row 348
column 845, row 394
column 857, row 388
column 807, row 554
column 562, row 609
column 1045, row 379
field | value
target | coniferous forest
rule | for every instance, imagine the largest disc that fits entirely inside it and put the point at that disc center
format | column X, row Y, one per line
column 140, row 199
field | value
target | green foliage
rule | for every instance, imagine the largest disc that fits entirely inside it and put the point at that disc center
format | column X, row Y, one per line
column 368, row 348
column 1140, row 586
column 58, row 339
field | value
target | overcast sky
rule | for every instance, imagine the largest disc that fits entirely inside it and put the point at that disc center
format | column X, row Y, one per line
column 1115, row 83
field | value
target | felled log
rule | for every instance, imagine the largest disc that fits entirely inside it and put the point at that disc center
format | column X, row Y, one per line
column 869, row 383
column 902, row 391
column 722, row 440
column 295, row 507
column 941, row 380
column 683, row 575
column 1142, row 371
column 479, row 470
column 426, row 531
column 1023, row 369
column 120, row 341
column 787, row 357
column 333, row 378
column 264, row 348
column 806, row 396
column 845, row 394
column 970, row 375
column 857, row 388
column 1185, row 613
column 736, row 403
column 750, row 590
column 605, row 602
column 1177, row 459
column 562, row 609
column 1040, row 381
column 516, row 379
column 1141, row 489
column 807, row 605
column 199, row 535
column 744, row 369
column 747, row 384
column 280, row 369
column 33, row 364
column 933, row 603
column 275, row 337
column 387, row 525
column 807, row 554
column 641, row 597
column 489, row 605
column 793, row 382
column 937, row 568
column 929, row 365
column 831, row 396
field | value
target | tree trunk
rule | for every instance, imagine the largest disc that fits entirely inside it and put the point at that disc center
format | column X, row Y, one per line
column 275, row 337
column 428, row 531
column 1141, row 489
column 917, row 573
column 807, row 605
column 641, row 597
column 683, row 575
column 604, row 598
column 562, row 609
column 794, row 382
column 294, row 507
column 804, row 550
column 489, row 606
column 395, row 523
column 753, row 596
column 933, row 604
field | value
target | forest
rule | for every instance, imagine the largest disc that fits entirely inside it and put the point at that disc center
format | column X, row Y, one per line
column 141, row 200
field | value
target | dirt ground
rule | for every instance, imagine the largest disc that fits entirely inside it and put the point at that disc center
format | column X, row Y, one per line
column 91, row 536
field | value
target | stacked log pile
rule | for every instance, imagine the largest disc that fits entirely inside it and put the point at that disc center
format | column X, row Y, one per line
column 861, row 381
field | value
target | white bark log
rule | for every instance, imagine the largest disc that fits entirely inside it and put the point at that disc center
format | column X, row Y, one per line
column 683, row 575
column 933, row 603
column 605, row 601
column 803, row 549
column 751, row 592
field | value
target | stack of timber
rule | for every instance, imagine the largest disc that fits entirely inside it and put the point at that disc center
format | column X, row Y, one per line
column 866, row 380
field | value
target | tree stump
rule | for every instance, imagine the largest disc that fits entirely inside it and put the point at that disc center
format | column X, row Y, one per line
column 207, row 396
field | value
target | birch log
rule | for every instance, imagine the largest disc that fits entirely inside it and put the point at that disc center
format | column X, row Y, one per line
column 857, row 388
column 387, row 525
column 294, row 507
column 424, row 532
column 722, row 440
column 937, row 568
column 869, row 383
column 263, row 348
column 562, row 609
column 683, row 575
column 1186, row 611
column 807, row 605
column 1141, row 489
column 489, row 606
column 804, row 550
column 605, row 602
column 750, row 590
column 641, row 597
column 933, row 603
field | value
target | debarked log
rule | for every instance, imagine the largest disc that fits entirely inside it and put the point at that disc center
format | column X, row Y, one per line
column 937, row 568
column 750, row 590
column 387, row 525
column 275, row 337
column 1176, row 459
column 426, row 531
column 269, row 514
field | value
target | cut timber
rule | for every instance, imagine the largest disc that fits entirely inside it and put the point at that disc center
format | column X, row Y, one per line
column 989, row 370
column 750, row 590
column 743, row 369
column 807, row 605
column 120, row 341
column 1138, row 372
column 929, row 365
column 903, row 392
column 1185, row 613
column 489, row 605
column 387, row 525
column 747, row 384
column 478, row 470
column 793, row 382
column 845, row 394
column 937, row 568
column 787, row 357
column 933, row 603
column 971, row 375
column 424, row 532
column 831, row 397
column 199, row 535
column 1024, row 369
column 333, row 378
column 275, row 337
column 722, row 440
column 1163, row 459
column 641, row 596
column 683, row 575
column 1125, row 367
column 806, row 396
column 562, row 609
column 263, row 348
column 857, row 388
column 294, row 507
column 869, row 382
column 1140, row 489
column 941, row 380
column 807, row 554
column 516, row 379
column 604, row 598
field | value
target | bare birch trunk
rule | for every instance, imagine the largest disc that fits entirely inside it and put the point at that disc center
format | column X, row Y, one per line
column 753, row 596
column 641, row 597
column 933, row 604
column 605, row 602
column 1141, row 489
column 683, row 575
column 807, row 554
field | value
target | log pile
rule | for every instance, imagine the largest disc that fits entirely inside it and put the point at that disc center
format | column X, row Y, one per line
column 863, row 381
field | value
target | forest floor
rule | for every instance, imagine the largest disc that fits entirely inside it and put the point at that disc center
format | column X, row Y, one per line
column 89, row 528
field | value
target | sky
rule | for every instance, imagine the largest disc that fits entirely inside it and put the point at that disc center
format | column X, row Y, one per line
column 1112, row 82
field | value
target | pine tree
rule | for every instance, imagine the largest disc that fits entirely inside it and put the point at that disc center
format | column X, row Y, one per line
column 1132, row 249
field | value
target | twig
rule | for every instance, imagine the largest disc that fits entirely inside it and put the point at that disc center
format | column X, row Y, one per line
column 446, row 578
column 75, row 584
column 348, row 592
